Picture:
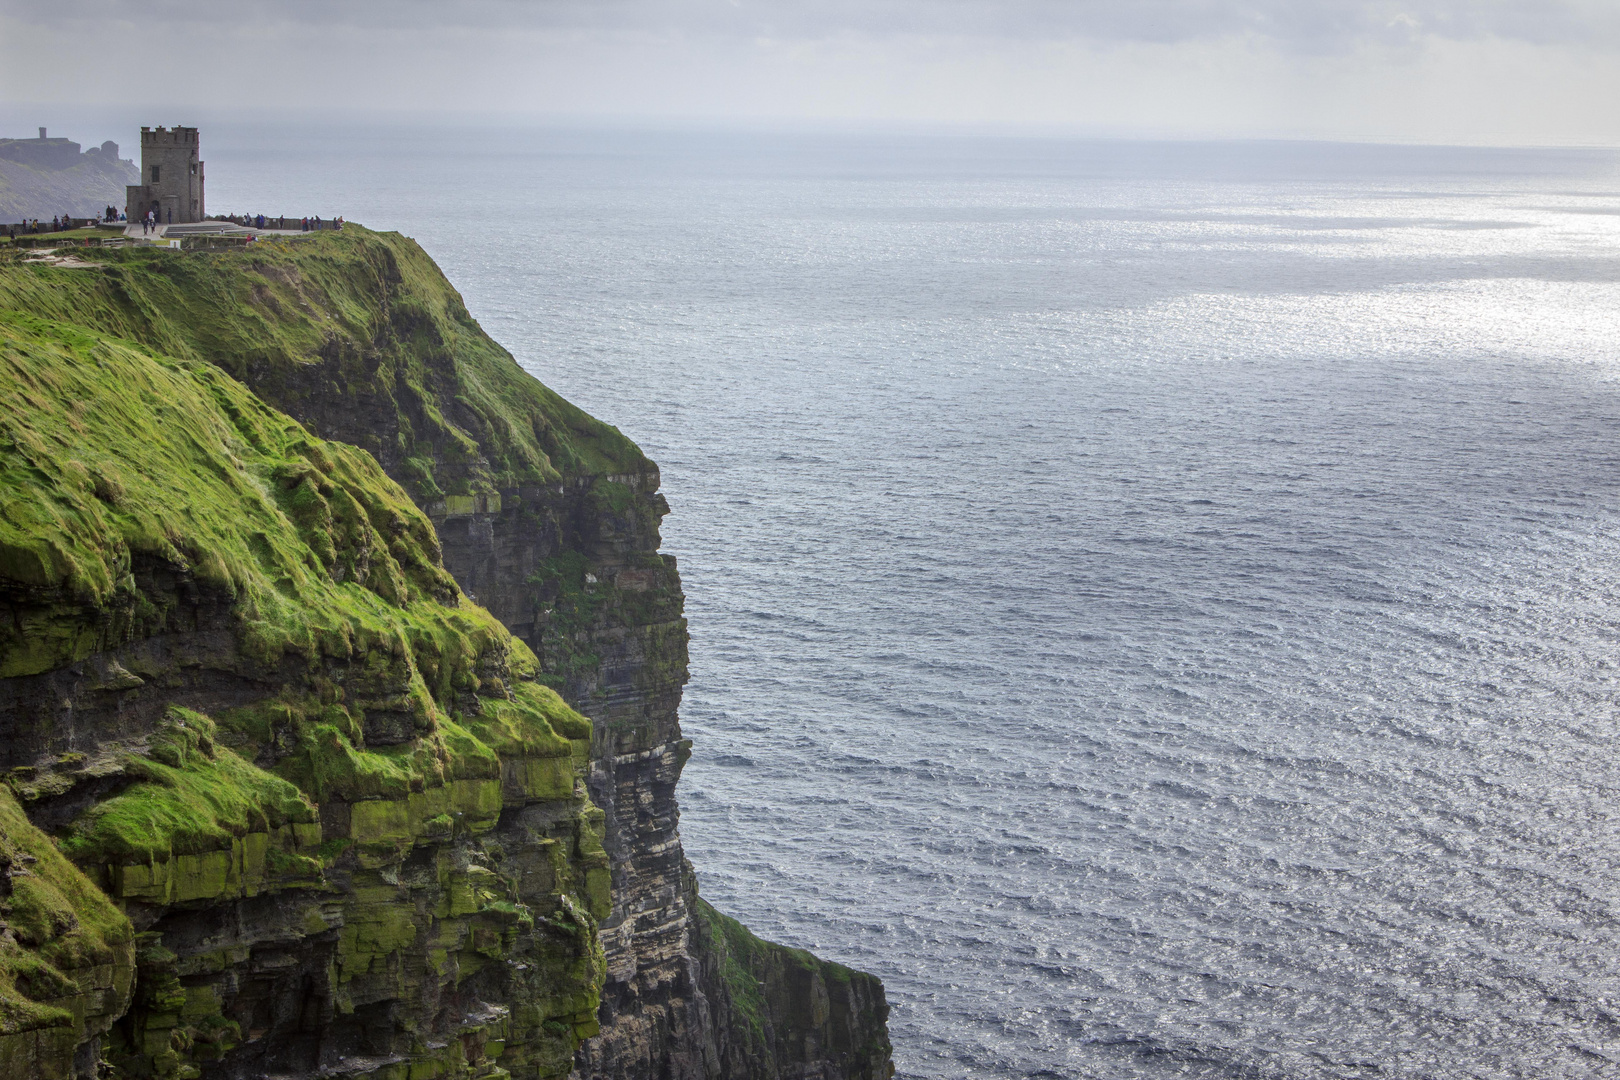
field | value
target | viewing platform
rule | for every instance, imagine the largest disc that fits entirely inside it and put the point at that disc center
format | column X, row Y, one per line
column 211, row 235
column 229, row 231
column 224, row 230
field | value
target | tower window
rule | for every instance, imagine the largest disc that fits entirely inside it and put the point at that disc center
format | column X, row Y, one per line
column 154, row 174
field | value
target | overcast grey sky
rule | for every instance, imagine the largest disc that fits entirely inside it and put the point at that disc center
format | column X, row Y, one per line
column 1489, row 71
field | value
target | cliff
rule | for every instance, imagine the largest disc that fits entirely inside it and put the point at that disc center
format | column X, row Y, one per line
column 44, row 185
column 543, row 514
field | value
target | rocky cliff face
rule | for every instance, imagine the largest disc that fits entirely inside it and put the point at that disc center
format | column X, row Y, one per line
column 550, row 520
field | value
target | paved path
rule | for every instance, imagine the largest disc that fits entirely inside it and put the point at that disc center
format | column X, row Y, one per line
column 203, row 228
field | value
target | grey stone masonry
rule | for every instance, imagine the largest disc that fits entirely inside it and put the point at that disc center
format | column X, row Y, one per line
column 171, row 177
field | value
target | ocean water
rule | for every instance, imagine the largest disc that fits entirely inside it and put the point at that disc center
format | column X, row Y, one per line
column 1158, row 606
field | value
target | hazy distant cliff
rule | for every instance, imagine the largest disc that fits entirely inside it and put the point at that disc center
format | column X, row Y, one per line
column 43, row 178
column 356, row 824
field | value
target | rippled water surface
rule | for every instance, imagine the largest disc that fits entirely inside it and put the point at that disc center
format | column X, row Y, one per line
column 1157, row 606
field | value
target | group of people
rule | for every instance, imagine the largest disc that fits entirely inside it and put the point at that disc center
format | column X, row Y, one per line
column 308, row 224
column 34, row 225
column 62, row 222
column 150, row 222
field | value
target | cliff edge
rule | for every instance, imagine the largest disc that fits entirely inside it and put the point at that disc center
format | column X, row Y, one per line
column 451, row 842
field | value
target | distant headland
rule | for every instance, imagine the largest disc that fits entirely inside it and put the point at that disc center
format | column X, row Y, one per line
column 46, row 177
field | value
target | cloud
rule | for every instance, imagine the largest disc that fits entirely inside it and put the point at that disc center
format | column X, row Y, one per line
column 1477, row 71
column 1306, row 26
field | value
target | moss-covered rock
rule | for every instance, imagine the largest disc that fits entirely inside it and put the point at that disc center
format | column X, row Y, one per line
column 265, row 721
column 66, row 955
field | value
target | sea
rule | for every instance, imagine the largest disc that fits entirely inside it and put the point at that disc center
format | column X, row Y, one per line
column 1156, row 604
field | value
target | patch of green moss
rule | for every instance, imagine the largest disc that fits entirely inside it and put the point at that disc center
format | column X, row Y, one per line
column 109, row 454
column 193, row 796
column 64, row 931
column 535, row 723
column 324, row 754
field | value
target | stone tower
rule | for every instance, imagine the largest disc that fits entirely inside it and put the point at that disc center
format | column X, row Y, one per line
column 171, row 177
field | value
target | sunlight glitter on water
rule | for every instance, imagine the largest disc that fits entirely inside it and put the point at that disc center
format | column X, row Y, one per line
column 1153, row 605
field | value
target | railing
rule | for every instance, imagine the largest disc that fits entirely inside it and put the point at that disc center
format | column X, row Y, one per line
column 265, row 221
column 31, row 227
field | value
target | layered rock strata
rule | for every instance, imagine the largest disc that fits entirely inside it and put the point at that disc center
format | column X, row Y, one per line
column 550, row 520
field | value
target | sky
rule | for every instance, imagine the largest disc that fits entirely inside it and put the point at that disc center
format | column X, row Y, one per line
column 1494, row 72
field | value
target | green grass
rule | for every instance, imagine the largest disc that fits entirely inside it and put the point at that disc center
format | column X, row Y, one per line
column 193, row 796
column 511, row 727
column 375, row 318
column 109, row 454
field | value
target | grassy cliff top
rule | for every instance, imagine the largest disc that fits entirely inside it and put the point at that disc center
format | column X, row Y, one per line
column 339, row 319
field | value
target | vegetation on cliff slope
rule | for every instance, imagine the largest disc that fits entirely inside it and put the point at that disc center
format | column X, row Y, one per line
column 190, row 796
column 111, row 454
column 364, row 319
column 137, row 489
column 67, row 959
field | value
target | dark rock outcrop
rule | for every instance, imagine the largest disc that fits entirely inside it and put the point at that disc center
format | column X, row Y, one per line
column 780, row 1012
